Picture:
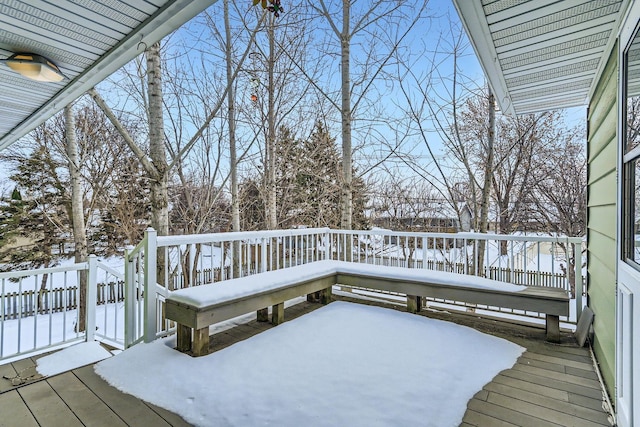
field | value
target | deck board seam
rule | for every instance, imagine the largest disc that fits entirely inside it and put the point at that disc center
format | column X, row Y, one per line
column 96, row 395
column 46, row 380
column 27, row 406
column 564, row 407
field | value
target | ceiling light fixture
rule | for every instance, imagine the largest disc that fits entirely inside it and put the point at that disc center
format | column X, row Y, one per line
column 34, row 67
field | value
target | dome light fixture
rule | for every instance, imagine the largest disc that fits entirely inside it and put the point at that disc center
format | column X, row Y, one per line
column 35, row 67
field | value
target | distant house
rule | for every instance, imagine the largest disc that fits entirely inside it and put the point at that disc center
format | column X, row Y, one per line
column 432, row 216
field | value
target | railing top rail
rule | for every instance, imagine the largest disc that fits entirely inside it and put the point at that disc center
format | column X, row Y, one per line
column 131, row 252
column 235, row 235
column 463, row 235
column 111, row 271
column 520, row 237
column 26, row 273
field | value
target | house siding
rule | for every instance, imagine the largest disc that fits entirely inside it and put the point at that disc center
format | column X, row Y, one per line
column 601, row 216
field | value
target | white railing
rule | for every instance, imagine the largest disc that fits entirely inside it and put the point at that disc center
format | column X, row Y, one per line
column 192, row 260
column 174, row 262
column 39, row 309
column 520, row 259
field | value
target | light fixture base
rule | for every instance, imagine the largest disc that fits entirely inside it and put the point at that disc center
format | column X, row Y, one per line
column 35, row 67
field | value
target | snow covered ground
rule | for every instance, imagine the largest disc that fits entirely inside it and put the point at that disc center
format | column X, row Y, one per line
column 343, row 364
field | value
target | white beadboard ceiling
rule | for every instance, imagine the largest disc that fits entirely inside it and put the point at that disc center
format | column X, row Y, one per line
column 87, row 39
column 541, row 54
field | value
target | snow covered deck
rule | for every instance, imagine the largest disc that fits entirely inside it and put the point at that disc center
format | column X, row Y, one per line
column 550, row 385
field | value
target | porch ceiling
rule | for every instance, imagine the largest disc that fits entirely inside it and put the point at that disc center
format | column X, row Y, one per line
column 87, row 39
column 541, row 54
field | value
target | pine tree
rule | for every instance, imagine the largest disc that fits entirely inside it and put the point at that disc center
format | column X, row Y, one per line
column 308, row 179
column 319, row 181
column 40, row 215
column 11, row 212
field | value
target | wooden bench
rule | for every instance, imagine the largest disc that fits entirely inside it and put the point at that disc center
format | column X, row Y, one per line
column 195, row 309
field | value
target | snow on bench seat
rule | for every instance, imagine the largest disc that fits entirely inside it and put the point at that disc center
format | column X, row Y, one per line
column 198, row 307
column 269, row 281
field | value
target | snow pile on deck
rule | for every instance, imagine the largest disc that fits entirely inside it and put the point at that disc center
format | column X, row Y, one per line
column 72, row 357
column 341, row 365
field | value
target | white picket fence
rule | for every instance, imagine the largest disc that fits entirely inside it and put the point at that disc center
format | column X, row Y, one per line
column 193, row 260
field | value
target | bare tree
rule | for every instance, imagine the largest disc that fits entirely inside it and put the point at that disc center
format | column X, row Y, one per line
column 235, row 204
column 375, row 23
column 559, row 200
column 153, row 103
column 435, row 89
column 77, row 211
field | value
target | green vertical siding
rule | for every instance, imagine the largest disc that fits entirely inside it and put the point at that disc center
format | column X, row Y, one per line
column 601, row 216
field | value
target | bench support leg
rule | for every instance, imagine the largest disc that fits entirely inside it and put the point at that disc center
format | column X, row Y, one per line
column 201, row 342
column 313, row 297
column 553, row 328
column 262, row 315
column 183, row 338
column 413, row 303
column 325, row 295
column 277, row 314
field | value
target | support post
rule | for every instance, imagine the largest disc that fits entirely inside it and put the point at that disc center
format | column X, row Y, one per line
column 263, row 255
column 183, row 338
column 129, row 298
column 277, row 314
column 577, row 256
column 262, row 315
column 92, row 299
column 327, row 245
column 150, row 274
column 325, row 295
column 200, row 346
column 413, row 304
column 553, row 328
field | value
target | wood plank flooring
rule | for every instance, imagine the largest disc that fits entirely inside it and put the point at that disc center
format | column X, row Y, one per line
column 550, row 385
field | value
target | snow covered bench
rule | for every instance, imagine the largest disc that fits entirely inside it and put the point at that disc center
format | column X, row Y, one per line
column 198, row 307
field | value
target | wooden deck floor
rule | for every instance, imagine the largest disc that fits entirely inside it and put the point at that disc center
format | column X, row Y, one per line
column 550, row 385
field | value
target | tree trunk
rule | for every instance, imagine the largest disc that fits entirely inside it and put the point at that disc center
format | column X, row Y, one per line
column 488, row 169
column 158, row 196
column 157, row 152
column 347, row 178
column 235, row 202
column 77, row 212
column 272, row 220
column 504, row 229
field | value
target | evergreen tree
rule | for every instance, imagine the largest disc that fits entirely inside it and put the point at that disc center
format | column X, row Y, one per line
column 11, row 211
column 40, row 215
column 252, row 209
column 124, row 208
column 320, row 181
column 308, row 178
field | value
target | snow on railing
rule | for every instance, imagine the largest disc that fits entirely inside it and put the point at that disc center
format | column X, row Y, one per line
column 192, row 260
column 40, row 308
